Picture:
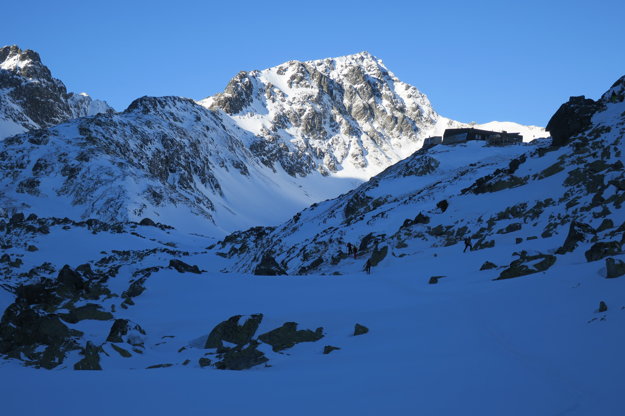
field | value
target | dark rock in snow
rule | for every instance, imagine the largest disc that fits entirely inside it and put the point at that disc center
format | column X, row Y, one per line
column 147, row 222
column 183, row 267
column 614, row 267
column 378, row 255
column 606, row 224
column 442, row 205
column 88, row 311
column 488, row 265
column 578, row 232
column 268, row 266
column 360, row 329
column 571, row 119
column 122, row 331
column 231, row 331
column 91, row 360
column 433, row 280
column 288, row 335
column 602, row 249
column 204, row 362
column 42, row 338
column 70, row 282
column 241, row 358
column 421, row 219
column 17, row 218
column 329, row 348
column 527, row 264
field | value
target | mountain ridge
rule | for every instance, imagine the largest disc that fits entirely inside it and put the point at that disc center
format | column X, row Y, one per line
column 31, row 98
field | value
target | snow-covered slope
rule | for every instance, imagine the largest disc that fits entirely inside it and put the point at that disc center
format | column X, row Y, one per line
column 349, row 116
column 527, row 322
column 30, row 98
column 285, row 137
column 495, row 195
column 165, row 158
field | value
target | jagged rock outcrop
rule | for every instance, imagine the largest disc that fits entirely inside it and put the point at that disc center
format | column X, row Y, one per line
column 30, row 98
column 288, row 335
column 572, row 118
column 231, row 331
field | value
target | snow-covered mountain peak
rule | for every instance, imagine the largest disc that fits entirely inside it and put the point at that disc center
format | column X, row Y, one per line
column 347, row 116
column 26, row 63
column 31, row 98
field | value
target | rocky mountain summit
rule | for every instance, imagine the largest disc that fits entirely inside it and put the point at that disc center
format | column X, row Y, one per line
column 30, row 98
column 348, row 115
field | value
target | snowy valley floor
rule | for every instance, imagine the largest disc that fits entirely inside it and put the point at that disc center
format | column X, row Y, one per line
column 532, row 345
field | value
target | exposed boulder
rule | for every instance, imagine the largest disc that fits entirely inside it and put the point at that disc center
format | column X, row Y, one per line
column 88, row 311
column 39, row 338
column 91, row 360
column 288, row 335
column 231, row 331
column 571, row 119
column 421, row 219
column 329, row 348
column 614, row 267
column 147, row 222
column 124, row 330
column 602, row 249
column 488, row 265
column 204, row 362
column 42, row 293
column 240, row 358
column 378, row 255
column 268, row 266
column 578, row 232
column 360, row 329
column 442, row 205
column 183, row 267
column 606, row 224
column 70, row 282
column 527, row 264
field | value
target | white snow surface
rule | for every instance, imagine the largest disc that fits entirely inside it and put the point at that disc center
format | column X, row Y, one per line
column 469, row 344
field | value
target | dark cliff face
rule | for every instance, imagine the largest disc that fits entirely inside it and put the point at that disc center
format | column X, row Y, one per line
column 32, row 97
column 572, row 118
column 31, row 86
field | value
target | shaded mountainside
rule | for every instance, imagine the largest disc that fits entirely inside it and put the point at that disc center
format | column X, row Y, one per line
column 166, row 158
column 30, row 98
column 526, row 197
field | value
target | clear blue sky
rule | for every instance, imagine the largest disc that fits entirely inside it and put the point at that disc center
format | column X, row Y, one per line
column 476, row 61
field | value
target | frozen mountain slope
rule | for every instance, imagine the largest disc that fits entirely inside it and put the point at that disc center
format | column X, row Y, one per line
column 349, row 116
column 495, row 196
column 285, row 138
column 528, row 321
column 30, row 98
column 165, row 158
